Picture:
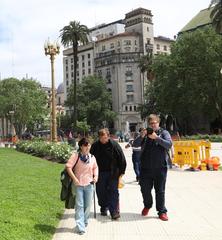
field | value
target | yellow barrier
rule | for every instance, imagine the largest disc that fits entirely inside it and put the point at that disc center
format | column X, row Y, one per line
column 191, row 152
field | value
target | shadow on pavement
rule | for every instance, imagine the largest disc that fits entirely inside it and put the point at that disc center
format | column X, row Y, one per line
column 64, row 216
column 64, row 230
column 125, row 217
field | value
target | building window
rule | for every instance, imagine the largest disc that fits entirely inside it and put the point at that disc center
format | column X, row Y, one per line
column 127, row 42
column 83, row 64
column 135, row 42
column 129, row 88
column 126, row 108
column 130, row 108
column 89, row 63
column 66, row 61
column 72, row 74
column 67, row 83
column 83, row 72
column 67, row 69
column 158, row 46
column 72, row 67
column 129, row 78
column 148, row 29
column 111, row 45
column 108, row 75
column 83, row 57
column 88, row 55
column 165, row 48
column 148, row 40
column 129, row 98
column 103, row 48
column 89, row 71
column 100, row 73
column 67, row 75
column 77, row 73
column 71, row 60
column 118, row 43
column 129, row 68
column 135, row 108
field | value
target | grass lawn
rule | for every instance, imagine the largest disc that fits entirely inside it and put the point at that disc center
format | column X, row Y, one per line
column 30, row 207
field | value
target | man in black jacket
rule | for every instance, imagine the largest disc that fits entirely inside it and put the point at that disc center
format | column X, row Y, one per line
column 112, row 164
column 154, row 163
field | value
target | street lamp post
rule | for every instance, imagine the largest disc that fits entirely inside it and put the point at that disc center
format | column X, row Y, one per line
column 11, row 113
column 59, row 108
column 52, row 49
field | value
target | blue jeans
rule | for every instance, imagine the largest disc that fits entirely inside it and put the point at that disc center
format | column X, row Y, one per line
column 136, row 162
column 84, row 195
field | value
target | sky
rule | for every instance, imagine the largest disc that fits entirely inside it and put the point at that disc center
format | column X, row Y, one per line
column 25, row 25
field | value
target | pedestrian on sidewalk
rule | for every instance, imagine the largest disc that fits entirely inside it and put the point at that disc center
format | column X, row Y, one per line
column 83, row 170
column 154, row 164
column 112, row 164
column 136, row 147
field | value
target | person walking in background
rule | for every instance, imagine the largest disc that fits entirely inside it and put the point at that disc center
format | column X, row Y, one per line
column 83, row 170
column 154, row 164
column 112, row 164
column 136, row 147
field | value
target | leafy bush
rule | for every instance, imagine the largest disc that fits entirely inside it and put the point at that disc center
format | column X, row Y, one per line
column 53, row 151
column 211, row 138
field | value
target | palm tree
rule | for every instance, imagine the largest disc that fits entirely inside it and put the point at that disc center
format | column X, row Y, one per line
column 216, row 14
column 73, row 35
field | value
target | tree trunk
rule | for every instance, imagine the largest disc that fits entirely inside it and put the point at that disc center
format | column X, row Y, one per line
column 75, row 56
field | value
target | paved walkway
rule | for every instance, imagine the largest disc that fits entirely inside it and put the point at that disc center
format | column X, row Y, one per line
column 193, row 199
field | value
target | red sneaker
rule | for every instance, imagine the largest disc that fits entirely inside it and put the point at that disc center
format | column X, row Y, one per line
column 163, row 217
column 145, row 211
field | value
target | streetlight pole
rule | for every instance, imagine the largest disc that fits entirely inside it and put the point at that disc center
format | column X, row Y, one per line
column 51, row 50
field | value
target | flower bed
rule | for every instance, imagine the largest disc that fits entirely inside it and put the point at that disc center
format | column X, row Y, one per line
column 51, row 151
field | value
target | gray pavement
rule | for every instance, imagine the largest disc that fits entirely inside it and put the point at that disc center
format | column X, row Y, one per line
column 193, row 199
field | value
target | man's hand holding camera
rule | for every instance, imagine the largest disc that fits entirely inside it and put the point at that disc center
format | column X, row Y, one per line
column 151, row 133
column 153, row 136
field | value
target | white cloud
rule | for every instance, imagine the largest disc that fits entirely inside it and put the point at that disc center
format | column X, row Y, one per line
column 25, row 25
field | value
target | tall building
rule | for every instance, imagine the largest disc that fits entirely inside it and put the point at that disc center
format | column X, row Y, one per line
column 114, row 54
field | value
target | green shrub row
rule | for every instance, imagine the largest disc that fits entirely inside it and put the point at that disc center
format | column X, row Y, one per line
column 211, row 138
column 51, row 151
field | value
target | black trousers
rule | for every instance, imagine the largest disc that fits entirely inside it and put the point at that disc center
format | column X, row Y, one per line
column 107, row 192
column 156, row 178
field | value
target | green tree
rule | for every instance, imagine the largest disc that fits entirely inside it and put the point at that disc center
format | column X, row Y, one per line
column 145, row 65
column 188, row 82
column 94, row 102
column 74, row 34
column 25, row 99
column 216, row 15
column 83, row 127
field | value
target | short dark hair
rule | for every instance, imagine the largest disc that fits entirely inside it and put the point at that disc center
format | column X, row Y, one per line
column 83, row 141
